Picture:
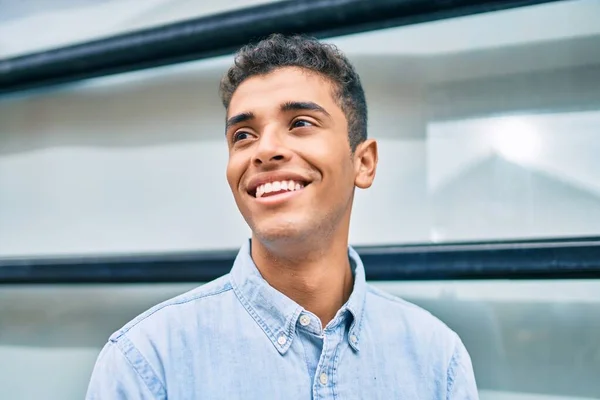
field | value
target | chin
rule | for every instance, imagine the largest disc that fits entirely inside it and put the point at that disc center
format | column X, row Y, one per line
column 281, row 232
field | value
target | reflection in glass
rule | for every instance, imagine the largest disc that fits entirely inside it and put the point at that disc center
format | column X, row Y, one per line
column 515, row 177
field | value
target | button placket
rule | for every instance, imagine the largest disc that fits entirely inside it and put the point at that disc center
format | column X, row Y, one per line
column 324, row 383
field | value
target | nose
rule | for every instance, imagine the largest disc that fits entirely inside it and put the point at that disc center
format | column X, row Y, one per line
column 270, row 149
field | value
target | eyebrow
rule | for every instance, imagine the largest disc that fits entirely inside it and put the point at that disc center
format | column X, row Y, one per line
column 288, row 106
column 236, row 119
column 303, row 106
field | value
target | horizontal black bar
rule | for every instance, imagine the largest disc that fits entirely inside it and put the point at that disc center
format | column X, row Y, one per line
column 560, row 259
column 223, row 33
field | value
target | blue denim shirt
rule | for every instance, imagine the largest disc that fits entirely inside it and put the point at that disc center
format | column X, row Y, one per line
column 239, row 338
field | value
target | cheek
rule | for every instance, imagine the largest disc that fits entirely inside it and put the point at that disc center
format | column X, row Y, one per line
column 334, row 160
column 329, row 151
column 233, row 175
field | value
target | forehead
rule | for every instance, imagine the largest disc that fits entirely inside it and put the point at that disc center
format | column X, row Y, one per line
column 267, row 92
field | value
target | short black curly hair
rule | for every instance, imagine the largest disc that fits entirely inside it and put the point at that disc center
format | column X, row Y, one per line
column 279, row 50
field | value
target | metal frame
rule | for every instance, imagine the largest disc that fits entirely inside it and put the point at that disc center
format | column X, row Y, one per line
column 536, row 259
column 223, row 33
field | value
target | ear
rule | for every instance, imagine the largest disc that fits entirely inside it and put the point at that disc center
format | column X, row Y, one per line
column 365, row 163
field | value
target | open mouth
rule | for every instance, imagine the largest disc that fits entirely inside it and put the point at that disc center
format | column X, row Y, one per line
column 277, row 187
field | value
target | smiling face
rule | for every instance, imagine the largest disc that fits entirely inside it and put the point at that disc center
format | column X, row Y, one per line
column 291, row 169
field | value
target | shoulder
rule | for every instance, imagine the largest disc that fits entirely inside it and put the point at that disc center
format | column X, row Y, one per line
column 175, row 312
column 132, row 360
column 423, row 338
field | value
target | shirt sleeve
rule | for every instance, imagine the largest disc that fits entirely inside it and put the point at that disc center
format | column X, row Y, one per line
column 115, row 376
column 461, row 378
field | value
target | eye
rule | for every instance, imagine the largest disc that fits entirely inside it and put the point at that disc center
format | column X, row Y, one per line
column 241, row 135
column 301, row 123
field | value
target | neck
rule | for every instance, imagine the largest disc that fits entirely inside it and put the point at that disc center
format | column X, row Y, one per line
column 319, row 280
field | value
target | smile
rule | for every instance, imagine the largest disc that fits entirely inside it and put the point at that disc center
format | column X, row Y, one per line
column 278, row 187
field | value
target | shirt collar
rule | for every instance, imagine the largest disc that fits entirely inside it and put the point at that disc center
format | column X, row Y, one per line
column 356, row 302
column 276, row 313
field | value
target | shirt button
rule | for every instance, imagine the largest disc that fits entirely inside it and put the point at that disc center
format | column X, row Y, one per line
column 281, row 340
column 305, row 320
column 323, row 378
column 353, row 339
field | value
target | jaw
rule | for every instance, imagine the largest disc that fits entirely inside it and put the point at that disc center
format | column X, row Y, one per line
column 303, row 226
column 297, row 240
column 303, row 221
column 284, row 241
column 279, row 217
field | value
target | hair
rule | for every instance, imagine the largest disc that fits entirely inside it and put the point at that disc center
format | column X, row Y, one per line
column 279, row 51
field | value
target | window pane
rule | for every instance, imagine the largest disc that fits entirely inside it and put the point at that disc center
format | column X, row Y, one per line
column 487, row 127
column 517, row 176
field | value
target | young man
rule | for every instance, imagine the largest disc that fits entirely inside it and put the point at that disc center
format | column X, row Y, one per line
column 294, row 319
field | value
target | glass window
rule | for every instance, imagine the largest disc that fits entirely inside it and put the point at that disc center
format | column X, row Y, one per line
column 485, row 126
column 517, row 176
column 488, row 126
column 488, row 130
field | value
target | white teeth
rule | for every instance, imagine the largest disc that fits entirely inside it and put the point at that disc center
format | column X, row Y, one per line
column 278, row 186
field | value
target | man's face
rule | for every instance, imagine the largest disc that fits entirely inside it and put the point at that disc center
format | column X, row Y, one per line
column 290, row 166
